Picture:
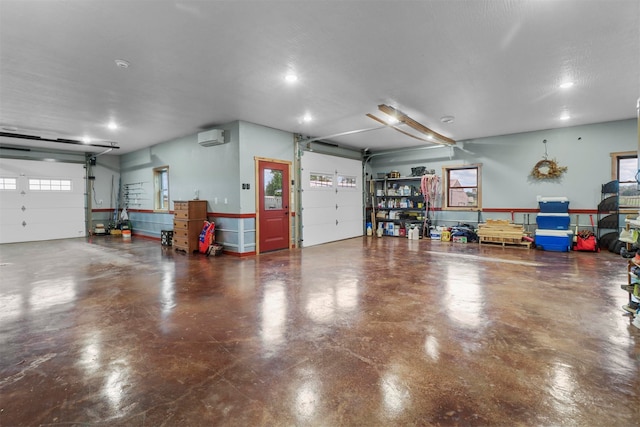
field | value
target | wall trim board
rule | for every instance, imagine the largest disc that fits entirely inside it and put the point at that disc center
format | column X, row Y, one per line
column 231, row 215
column 145, row 236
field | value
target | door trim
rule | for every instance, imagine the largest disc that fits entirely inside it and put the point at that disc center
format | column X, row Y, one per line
column 256, row 185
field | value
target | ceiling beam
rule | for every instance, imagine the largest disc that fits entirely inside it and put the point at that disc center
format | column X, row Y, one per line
column 403, row 118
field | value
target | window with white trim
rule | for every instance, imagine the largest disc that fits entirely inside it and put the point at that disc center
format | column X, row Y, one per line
column 161, row 188
column 38, row 184
column 8, row 183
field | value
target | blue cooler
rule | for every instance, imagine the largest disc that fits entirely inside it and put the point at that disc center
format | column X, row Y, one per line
column 554, row 240
column 553, row 221
column 553, row 204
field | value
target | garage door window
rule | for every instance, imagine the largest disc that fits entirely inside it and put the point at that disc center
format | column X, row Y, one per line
column 8, row 184
column 320, row 180
column 345, row 181
column 49, row 184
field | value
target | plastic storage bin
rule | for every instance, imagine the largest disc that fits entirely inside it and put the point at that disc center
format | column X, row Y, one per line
column 553, row 221
column 554, row 240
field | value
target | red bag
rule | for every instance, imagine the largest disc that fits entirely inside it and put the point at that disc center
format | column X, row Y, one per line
column 586, row 244
column 206, row 237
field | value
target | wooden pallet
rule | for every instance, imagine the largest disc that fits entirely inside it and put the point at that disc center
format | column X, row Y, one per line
column 511, row 241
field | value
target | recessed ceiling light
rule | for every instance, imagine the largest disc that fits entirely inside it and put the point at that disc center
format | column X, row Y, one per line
column 121, row 63
column 112, row 126
column 291, row 78
column 86, row 140
column 447, row 119
column 307, row 118
column 565, row 116
column 566, row 85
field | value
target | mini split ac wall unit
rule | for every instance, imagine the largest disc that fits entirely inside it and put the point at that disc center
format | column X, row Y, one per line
column 211, row 137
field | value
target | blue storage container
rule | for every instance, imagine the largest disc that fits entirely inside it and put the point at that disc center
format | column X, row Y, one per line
column 552, row 221
column 554, row 206
column 554, row 240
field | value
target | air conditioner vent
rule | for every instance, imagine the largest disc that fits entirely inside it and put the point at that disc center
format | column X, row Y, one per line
column 211, row 137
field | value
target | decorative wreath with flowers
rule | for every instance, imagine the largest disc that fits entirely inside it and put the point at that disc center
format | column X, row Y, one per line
column 547, row 169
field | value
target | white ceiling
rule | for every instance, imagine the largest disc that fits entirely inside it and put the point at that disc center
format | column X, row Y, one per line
column 493, row 64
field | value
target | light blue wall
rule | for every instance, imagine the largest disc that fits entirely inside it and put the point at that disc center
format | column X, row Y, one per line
column 507, row 162
column 215, row 173
column 260, row 141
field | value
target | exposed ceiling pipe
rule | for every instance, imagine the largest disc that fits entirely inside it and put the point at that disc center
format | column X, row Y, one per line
column 104, row 152
column 401, row 150
column 351, row 132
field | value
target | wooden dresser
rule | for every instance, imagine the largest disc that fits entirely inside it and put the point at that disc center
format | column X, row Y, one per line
column 188, row 220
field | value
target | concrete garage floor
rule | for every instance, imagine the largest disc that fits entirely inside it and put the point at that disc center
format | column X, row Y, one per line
column 363, row 332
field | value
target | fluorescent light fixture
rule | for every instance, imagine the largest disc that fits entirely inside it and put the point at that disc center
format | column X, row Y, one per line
column 307, row 118
column 86, row 140
column 112, row 125
column 565, row 116
column 566, row 85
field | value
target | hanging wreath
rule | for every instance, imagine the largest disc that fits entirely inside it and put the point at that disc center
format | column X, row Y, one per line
column 547, row 169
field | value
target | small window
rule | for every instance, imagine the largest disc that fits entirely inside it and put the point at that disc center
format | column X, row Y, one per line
column 49, row 184
column 272, row 189
column 161, row 188
column 346, row 181
column 8, row 184
column 625, row 168
column 462, row 188
column 320, row 180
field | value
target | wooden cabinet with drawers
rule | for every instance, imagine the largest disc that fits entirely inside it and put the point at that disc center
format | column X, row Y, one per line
column 188, row 220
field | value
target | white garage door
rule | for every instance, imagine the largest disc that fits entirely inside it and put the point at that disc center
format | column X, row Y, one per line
column 331, row 198
column 41, row 200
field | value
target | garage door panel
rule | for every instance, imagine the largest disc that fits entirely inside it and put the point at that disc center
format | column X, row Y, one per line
column 46, row 213
column 317, row 199
column 348, row 215
column 349, row 229
column 318, row 233
column 319, row 214
column 54, row 216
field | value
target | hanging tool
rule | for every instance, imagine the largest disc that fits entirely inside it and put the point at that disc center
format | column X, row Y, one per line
column 575, row 235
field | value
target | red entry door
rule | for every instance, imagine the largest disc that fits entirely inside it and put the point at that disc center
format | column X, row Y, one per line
column 273, row 226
